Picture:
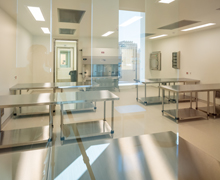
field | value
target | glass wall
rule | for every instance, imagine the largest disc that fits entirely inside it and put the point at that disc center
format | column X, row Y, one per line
column 105, row 89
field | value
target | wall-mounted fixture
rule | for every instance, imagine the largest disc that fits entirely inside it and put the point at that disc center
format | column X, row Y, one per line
column 176, row 60
column 36, row 12
column 155, row 61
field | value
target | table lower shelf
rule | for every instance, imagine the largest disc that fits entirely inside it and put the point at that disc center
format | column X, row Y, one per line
column 151, row 100
column 79, row 107
column 32, row 110
column 86, row 129
column 22, row 137
column 211, row 110
column 184, row 114
column 182, row 98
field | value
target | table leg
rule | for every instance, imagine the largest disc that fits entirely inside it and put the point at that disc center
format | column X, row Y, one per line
column 104, row 110
column 174, row 92
column 169, row 92
column 20, row 107
column 51, row 123
column 159, row 90
column 0, row 122
column 196, row 100
column 145, row 93
column 207, row 104
column 14, row 109
column 112, row 123
column 191, row 100
column 54, row 106
column 163, row 101
column 61, row 122
column 177, row 107
column 184, row 93
column 137, row 91
column 214, row 104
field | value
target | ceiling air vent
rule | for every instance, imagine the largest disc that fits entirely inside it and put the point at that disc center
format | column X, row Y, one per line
column 178, row 24
column 67, row 31
column 148, row 34
column 70, row 16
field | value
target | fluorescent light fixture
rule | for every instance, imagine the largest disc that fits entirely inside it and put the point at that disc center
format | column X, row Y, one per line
column 45, row 30
column 130, row 21
column 166, row 1
column 158, row 36
column 197, row 27
column 36, row 12
column 108, row 33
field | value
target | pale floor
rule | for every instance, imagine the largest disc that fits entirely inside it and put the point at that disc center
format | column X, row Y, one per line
column 202, row 133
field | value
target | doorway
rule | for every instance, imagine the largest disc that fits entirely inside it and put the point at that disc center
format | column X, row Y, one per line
column 65, row 60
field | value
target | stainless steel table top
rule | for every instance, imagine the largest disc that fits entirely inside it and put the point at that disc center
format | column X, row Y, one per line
column 192, row 88
column 167, row 80
column 87, row 96
column 61, row 85
column 55, row 98
column 154, row 156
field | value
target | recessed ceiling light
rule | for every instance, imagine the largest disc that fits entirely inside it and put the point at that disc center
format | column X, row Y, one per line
column 36, row 12
column 45, row 30
column 197, row 27
column 158, row 36
column 130, row 21
column 108, row 33
column 166, row 1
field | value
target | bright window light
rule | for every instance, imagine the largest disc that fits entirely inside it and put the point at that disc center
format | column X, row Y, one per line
column 158, row 36
column 197, row 27
column 166, row 1
column 108, row 33
column 36, row 12
column 45, row 30
column 130, row 21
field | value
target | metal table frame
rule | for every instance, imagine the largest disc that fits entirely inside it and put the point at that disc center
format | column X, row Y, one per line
column 158, row 99
column 106, row 127
column 53, row 86
column 192, row 113
column 11, row 138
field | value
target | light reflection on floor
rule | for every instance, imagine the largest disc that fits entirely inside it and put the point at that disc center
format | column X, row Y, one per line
column 75, row 170
column 129, row 109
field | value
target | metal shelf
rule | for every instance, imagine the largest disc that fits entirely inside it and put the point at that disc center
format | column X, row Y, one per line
column 86, row 129
column 79, row 107
column 32, row 110
column 151, row 100
column 184, row 114
column 22, row 137
column 211, row 110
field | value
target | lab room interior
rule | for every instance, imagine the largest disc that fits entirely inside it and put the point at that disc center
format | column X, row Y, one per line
column 110, row 90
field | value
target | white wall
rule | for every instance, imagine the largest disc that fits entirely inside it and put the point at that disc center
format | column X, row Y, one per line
column 200, row 55
column 13, row 64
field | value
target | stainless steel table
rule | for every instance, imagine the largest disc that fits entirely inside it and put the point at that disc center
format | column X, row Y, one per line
column 21, row 111
column 180, row 114
column 91, row 128
column 158, row 99
column 19, row 137
column 159, row 156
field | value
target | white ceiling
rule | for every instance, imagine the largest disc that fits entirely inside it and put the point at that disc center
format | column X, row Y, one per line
column 104, row 15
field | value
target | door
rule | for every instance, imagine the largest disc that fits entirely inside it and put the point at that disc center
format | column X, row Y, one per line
column 64, row 64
